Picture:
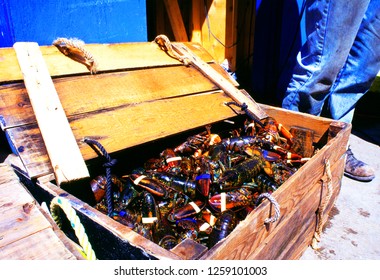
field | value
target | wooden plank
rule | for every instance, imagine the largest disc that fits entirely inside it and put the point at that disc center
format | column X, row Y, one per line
column 59, row 140
column 214, row 28
column 303, row 239
column 105, row 91
column 44, row 245
column 110, row 57
column 196, row 23
column 231, row 33
column 175, row 17
column 21, row 220
column 12, row 194
column 288, row 118
column 19, row 214
column 25, row 232
column 127, row 126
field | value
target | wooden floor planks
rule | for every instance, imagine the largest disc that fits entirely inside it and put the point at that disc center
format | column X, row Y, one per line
column 25, row 232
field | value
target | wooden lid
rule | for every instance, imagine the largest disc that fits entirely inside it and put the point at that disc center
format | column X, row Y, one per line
column 139, row 94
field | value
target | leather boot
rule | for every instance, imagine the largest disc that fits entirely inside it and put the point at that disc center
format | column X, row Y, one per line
column 356, row 169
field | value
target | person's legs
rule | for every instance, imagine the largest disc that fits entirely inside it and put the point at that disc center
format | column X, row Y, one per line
column 331, row 28
column 354, row 80
column 360, row 69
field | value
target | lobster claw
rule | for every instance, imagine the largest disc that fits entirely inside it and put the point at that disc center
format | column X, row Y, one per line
column 208, row 217
column 98, row 187
column 270, row 156
column 149, row 184
column 170, row 157
column 229, row 200
column 286, row 133
column 203, row 184
column 187, row 210
column 150, row 212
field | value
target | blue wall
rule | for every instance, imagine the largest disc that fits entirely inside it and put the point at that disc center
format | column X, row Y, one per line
column 93, row 21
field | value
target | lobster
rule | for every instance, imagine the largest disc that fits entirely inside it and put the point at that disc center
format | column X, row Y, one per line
column 244, row 172
column 232, row 200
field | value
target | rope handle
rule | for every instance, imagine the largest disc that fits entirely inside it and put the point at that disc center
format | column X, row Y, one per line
column 64, row 204
column 328, row 179
column 98, row 148
column 74, row 49
column 164, row 43
column 277, row 212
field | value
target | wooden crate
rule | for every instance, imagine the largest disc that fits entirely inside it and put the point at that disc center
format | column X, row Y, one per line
column 140, row 100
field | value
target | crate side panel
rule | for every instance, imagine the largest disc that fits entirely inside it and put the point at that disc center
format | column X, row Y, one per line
column 303, row 240
column 109, row 237
column 294, row 235
column 289, row 196
column 319, row 125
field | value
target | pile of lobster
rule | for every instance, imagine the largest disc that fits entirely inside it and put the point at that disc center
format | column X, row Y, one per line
column 202, row 188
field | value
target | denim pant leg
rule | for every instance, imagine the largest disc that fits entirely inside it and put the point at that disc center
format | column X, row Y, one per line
column 360, row 69
column 331, row 28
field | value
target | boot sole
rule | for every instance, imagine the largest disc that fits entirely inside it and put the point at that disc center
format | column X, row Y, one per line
column 358, row 178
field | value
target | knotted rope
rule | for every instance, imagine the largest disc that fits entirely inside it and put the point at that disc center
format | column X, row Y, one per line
column 110, row 162
column 322, row 206
column 165, row 44
column 244, row 108
column 64, row 204
column 74, row 48
column 276, row 206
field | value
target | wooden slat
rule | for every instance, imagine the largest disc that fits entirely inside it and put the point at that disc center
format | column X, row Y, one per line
column 125, row 126
column 46, row 246
column 19, row 214
column 214, row 28
column 110, row 57
column 231, row 33
column 196, row 11
column 175, row 17
column 59, row 140
column 104, row 91
column 25, row 233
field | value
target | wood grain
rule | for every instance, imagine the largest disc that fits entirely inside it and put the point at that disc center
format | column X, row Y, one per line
column 110, row 57
column 25, row 233
column 84, row 94
column 119, row 128
column 176, row 21
column 61, row 146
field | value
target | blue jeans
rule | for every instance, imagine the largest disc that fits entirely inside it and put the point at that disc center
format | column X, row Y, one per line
column 339, row 60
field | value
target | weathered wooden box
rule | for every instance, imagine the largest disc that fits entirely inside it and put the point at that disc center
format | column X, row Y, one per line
column 140, row 100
